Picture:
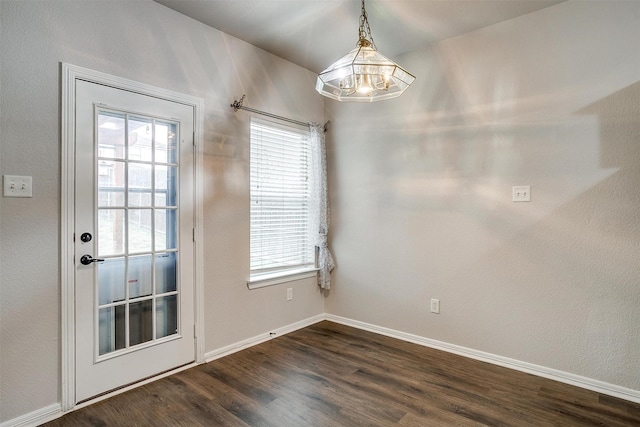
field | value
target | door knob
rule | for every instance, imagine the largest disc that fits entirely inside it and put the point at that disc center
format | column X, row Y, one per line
column 88, row 259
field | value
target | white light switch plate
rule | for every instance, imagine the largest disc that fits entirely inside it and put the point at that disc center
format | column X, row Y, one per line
column 17, row 186
column 522, row 193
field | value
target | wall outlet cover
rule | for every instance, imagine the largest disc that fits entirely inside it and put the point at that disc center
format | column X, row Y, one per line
column 435, row 306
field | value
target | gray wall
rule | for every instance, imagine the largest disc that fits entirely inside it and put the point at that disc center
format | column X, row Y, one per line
column 146, row 42
column 421, row 193
column 420, row 186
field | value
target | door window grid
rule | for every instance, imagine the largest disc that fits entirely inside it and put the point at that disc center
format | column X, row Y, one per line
column 137, row 234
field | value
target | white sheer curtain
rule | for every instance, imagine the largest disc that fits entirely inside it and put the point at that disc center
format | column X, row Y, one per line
column 321, row 203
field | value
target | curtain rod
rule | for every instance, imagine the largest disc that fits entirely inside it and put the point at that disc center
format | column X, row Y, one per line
column 237, row 105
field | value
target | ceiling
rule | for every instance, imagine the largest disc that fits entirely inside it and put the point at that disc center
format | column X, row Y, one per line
column 315, row 33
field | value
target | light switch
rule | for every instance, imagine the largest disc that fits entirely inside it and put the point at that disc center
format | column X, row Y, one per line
column 17, row 186
column 522, row 193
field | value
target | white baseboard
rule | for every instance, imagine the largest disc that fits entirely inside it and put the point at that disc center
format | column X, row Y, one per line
column 250, row 342
column 529, row 368
column 35, row 418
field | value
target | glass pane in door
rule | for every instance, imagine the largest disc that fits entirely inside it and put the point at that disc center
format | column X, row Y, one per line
column 166, row 278
column 140, row 322
column 111, row 232
column 111, row 334
column 111, row 175
column 111, row 280
column 111, row 135
column 139, row 179
column 166, row 315
column 140, row 138
column 165, row 143
column 137, row 194
column 140, row 230
column 139, row 277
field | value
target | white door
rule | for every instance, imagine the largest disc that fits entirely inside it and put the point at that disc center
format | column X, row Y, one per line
column 134, row 250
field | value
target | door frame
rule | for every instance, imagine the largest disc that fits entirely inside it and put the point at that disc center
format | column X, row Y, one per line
column 69, row 74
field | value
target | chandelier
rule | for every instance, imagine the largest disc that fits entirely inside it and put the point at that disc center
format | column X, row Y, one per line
column 364, row 74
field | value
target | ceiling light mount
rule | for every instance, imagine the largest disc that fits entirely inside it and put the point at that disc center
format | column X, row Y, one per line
column 364, row 30
column 363, row 75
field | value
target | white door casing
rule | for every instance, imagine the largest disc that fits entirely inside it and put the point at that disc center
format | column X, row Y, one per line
column 89, row 369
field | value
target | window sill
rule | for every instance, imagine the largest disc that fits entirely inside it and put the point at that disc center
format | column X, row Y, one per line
column 271, row 279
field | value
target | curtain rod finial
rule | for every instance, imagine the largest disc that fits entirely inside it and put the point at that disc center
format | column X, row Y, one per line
column 238, row 104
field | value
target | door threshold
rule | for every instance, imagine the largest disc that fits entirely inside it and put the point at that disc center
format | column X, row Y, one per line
column 108, row 394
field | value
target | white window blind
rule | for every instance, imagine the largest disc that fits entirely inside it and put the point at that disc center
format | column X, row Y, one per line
column 280, row 198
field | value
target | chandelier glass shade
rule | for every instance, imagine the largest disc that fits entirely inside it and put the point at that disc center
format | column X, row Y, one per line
column 364, row 74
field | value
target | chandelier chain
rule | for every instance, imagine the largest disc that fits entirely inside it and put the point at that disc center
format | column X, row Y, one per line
column 364, row 29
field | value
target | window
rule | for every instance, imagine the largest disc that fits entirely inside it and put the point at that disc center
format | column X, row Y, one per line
column 280, row 196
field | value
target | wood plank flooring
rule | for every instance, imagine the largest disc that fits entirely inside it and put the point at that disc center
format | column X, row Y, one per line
column 334, row 375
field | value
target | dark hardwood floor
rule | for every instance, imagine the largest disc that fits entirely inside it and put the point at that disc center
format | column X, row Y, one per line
column 333, row 375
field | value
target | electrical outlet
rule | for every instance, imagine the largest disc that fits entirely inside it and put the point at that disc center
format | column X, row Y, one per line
column 17, row 186
column 522, row 193
column 435, row 306
column 289, row 294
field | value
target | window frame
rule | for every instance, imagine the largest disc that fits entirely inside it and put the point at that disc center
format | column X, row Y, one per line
column 273, row 275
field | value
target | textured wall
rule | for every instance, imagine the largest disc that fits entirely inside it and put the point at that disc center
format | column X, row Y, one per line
column 146, row 42
column 421, row 193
